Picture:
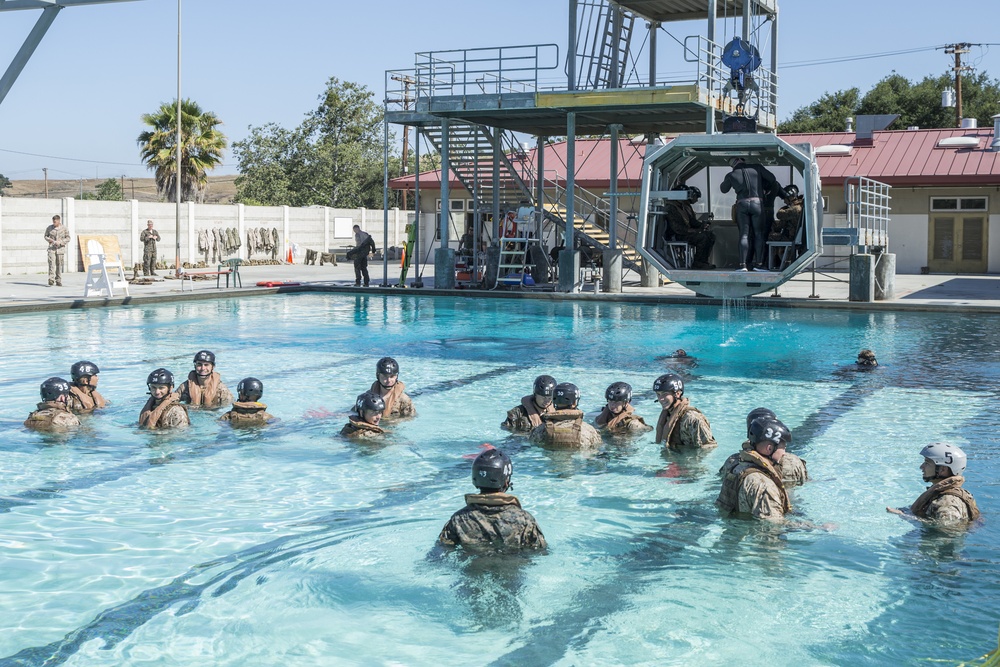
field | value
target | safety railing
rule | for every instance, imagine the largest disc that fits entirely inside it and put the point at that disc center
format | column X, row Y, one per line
column 713, row 75
column 868, row 210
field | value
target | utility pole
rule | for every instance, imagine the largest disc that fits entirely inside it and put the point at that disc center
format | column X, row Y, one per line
column 958, row 49
column 45, row 170
column 123, row 187
column 405, row 101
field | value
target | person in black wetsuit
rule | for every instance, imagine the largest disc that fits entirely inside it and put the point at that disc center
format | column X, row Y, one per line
column 751, row 182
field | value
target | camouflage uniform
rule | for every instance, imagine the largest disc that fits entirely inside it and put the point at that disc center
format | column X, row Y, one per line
column 165, row 413
column 684, row 426
column 149, row 237
column 52, row 416
column 519, row 419
column 787, row 225
column 624, row 423
column 208, row 392
column 946, row 502
column 247, row 413
column 397, row 402
column 684, row 226
column 753, row 486
column 58, row 239
column 492, row 520
column 792, row 468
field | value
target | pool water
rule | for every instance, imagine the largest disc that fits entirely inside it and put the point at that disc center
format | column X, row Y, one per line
column 290, row 545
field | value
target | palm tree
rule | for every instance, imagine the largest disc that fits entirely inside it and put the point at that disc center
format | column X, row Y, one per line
column 201, row 148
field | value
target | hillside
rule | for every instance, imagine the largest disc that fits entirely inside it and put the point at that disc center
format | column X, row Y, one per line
column 221, row 189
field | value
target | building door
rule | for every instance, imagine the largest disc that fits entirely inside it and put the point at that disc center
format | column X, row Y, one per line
column 958, row 243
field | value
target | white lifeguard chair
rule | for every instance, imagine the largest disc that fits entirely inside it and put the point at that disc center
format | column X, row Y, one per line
column 104, row 272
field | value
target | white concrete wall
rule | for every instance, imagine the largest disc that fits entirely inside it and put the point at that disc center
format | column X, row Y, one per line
column 23, row 222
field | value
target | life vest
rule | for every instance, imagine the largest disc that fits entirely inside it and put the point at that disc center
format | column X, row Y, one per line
column 153, row 412
column 247, row 413
column 203, row 394
column 491, row 499
column 563, row 427
column 81, row 400
column 390, row 395
column 612, row 422
column 666, row 425
column 748, row 463
column 51, row 416
column 951, row 486
column 532, row 411
column 358, row 427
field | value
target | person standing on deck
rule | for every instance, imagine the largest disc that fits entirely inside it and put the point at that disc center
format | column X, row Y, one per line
column 149, row 237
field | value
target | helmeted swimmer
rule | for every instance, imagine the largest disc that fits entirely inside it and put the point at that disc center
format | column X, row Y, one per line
column 945, row 502
column 163, row 408
column 83, row 396
column 492, row 519
column 248, row 410
column 564, row 428
column 752, row 485
column 866, row 359
column 791, row 467
column 618, row 415
column 392, row 390
column 364, row 423
column 53, row 413
column 527, row 415
column 680, row 424
column 204, row 386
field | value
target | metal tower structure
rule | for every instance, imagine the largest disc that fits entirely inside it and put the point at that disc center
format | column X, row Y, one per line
column 484, row 108
column 50, row 9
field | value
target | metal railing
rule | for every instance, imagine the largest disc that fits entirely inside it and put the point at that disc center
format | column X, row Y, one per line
column 713, row 75
column 868, row 210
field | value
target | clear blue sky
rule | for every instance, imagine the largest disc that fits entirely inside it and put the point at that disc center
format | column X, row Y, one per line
column 253, row 62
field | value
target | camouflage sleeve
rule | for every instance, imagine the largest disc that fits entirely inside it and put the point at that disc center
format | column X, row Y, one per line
column 637, row 425
column 729, row 463
column 182, row 392
column 226, row 417
column 65, row 420
column 225, row 396
column 696, row 431
column 449, row 536
column 405, row 406
column 947, row 509
column 537, row 434
column 589, row 436
column 515, row 421
column 176, row 416
column 531, row 535
column 760, row 497
column 793, row 469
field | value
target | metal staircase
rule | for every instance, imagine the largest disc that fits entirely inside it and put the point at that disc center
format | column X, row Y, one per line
column 471, row 151
column 605, row 35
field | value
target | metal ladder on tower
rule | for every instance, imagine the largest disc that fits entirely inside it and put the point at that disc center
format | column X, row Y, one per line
column 606, row 30
column 515, row 253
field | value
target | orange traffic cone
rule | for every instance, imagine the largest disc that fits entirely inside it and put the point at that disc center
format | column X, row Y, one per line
column 290, row 259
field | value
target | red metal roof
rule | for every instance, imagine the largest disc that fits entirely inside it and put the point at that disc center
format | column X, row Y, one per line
column 908, row 157
column 896, row 157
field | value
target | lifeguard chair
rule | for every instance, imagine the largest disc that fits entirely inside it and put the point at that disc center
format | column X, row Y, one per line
column 105, row 271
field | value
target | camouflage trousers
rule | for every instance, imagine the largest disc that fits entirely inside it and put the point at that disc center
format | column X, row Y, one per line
column 149, row 262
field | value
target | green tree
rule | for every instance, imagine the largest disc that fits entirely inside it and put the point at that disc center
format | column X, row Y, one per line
column 4, row 184
column 110, row 190
column 917, row 104
column 202, row 145
column 334, row 158
column 827, row 114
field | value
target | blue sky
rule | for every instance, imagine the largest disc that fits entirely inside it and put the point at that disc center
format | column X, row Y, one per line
column 253, row 62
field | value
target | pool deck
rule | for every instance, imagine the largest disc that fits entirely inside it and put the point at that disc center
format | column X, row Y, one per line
column 948, row 293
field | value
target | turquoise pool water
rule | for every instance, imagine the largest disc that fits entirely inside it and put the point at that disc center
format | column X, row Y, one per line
column 291, row 546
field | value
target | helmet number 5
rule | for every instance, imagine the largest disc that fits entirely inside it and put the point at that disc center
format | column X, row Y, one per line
column 948, row 458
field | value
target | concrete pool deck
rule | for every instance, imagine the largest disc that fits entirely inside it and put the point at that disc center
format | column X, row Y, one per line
column 948, row 293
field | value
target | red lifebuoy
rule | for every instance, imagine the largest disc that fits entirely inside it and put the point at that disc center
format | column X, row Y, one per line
column 276, row 283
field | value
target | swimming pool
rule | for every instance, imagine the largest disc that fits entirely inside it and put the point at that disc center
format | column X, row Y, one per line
column 292, row 546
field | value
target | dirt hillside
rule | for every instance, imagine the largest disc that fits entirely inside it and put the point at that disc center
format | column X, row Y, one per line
column 221, row 189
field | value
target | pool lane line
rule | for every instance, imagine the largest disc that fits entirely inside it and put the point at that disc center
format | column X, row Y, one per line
column 117, row 623
column 448, row 385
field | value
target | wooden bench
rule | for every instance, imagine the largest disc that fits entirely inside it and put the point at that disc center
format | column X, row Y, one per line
column 229, row 267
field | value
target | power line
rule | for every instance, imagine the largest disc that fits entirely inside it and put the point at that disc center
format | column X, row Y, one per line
column 74, row 159
column 865, row 56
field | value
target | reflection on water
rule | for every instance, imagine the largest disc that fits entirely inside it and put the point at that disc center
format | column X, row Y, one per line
column 290, row 545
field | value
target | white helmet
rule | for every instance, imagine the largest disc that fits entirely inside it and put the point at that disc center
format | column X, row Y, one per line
column 946, row 454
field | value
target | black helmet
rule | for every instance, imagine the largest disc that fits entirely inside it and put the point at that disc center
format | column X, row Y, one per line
column 770, row 430
column 759, row 413
column 792, row 191
column 619, row 391
column 387, row 366
column 694, row 194
column 205, row 356
column 545, row 385
column 53, row 388
column 669, row 382
column 161, row 376
column 369, row 401
column 491, row 470
column 83, row 369
column 250, row 389
column 567, row 396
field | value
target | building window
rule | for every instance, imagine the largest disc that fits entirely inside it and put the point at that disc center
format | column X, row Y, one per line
column 826, row 204
column 959, row 203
